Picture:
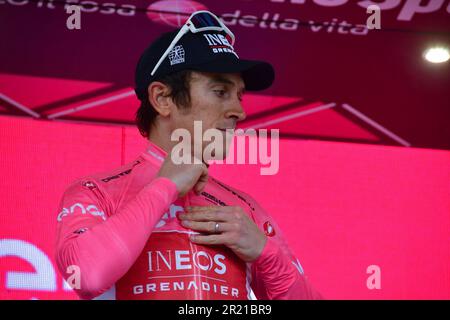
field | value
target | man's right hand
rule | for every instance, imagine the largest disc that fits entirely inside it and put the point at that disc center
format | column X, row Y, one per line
column 185, row 176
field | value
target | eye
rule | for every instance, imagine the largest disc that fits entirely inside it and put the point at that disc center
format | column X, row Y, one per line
column 220, row 93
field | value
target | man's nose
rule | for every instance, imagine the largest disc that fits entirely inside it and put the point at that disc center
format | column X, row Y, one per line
column 236, row 111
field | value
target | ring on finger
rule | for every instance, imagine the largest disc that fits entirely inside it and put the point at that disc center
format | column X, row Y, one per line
column 216, row 227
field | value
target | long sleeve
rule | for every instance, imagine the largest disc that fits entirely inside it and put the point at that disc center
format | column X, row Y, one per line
column 101, row 245
column 277, row 273
column 280, row 277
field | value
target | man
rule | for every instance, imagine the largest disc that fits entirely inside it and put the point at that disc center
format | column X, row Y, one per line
column 153, row 229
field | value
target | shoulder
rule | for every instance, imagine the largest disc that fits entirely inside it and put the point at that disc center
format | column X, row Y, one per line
column 101, row 184
column 118, row 174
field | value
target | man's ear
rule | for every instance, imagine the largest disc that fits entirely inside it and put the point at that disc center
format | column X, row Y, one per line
column 158, row 95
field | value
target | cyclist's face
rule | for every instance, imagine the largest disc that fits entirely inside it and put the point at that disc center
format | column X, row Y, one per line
column 216, row 101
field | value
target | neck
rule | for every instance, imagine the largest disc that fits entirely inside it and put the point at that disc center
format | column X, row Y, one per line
column 160, row 135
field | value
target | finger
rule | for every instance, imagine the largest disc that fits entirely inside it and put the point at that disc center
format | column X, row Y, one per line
column 201, row 208
column 212, row 239
column 205, row 216
column 209, row 226
column 202, row 181
column 214, row 208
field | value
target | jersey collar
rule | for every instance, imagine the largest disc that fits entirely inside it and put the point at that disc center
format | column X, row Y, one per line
column 154, row 152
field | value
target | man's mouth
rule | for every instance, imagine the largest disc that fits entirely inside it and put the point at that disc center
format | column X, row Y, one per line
column 226, row 129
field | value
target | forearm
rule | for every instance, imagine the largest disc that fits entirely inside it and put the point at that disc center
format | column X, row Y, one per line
column 106, row 251
column 279, row 277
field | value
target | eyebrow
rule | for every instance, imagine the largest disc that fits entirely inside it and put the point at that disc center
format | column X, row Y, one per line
column 219, row 79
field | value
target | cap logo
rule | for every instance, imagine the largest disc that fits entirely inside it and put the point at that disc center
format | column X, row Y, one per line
column 176, row 55
column 219, row 44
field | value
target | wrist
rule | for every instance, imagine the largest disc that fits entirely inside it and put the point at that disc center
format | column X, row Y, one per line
column 269, row 250
column 260, row 250
column 166, row 186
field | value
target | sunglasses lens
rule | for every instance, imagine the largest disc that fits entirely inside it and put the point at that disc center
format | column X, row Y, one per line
column 203, row 19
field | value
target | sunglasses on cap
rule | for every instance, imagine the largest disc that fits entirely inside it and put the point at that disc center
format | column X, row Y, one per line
column 199, row 21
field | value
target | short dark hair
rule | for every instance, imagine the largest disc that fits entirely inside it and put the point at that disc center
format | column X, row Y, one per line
column 178, row 83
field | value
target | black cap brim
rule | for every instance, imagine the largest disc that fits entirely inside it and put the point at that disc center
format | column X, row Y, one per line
column 257, row 75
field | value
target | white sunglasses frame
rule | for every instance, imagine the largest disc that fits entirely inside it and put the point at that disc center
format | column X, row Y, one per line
column 189, row 26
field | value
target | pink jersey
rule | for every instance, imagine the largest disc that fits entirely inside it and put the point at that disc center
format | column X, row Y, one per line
column 120, row 229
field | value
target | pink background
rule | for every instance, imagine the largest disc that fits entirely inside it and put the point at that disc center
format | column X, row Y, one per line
column 341, row 206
